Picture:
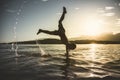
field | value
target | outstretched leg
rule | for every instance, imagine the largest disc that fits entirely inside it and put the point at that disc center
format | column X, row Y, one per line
column 48, row 32
column 63, row 16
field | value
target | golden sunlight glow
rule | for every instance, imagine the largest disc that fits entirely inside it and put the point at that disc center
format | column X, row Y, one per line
column 92, row 53
column 93, row 26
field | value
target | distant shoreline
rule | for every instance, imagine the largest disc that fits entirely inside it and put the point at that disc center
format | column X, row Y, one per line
column 57, row 41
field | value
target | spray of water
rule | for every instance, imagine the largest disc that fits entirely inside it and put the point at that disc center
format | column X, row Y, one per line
column 42, row 52
column 14, row 44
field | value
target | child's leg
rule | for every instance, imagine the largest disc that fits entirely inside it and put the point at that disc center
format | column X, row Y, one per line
column 48, row 32
column 60, row 26
column 63, row 15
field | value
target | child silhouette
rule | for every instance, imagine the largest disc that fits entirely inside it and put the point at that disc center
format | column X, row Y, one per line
column 60, row 32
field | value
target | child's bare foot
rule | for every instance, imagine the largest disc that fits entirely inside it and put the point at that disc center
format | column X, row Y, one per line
column 64, row 10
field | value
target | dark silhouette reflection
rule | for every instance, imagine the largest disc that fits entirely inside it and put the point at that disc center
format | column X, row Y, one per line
column 67, row 65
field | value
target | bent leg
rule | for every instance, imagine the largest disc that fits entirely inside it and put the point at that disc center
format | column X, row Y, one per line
column 48, row 32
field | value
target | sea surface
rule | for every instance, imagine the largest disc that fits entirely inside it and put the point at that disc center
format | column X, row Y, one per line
column 86, row 62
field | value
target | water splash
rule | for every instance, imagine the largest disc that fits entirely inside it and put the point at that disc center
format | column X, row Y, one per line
column 12, row 48
column 14, row 44
column 42, row 52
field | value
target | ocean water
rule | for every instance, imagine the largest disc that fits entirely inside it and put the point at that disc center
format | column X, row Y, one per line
column 86, row 62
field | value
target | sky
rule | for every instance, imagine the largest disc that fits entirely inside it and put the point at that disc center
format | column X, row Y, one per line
column 21, row 19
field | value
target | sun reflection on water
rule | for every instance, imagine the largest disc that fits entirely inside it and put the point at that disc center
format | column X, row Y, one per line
column 93, row 52
column 92, row 57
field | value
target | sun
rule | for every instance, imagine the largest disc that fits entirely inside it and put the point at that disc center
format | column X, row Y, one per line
column 93, row 26
column 90, row 25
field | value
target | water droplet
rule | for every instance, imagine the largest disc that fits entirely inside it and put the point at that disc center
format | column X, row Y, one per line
column 17, row 19
column 119, row 4
column 25, row 1
column 15, row 37
column 16, row 22
column 14, row 28
column 18, row 13
column 12, row 47
column 19, row 10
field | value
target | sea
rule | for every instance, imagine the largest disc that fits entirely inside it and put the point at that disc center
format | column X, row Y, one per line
column 86, row 62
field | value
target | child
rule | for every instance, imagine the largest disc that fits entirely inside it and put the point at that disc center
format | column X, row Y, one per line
column 61, row 33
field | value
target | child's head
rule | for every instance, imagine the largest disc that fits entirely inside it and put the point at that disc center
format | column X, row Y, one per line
column 71, row 46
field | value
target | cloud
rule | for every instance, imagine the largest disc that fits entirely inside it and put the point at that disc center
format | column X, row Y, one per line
column 77, row 8
column 10, row 11
column 118, row 22
column 109, row 14
column 100, row 10
column 104, row 12
column 109, row 8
